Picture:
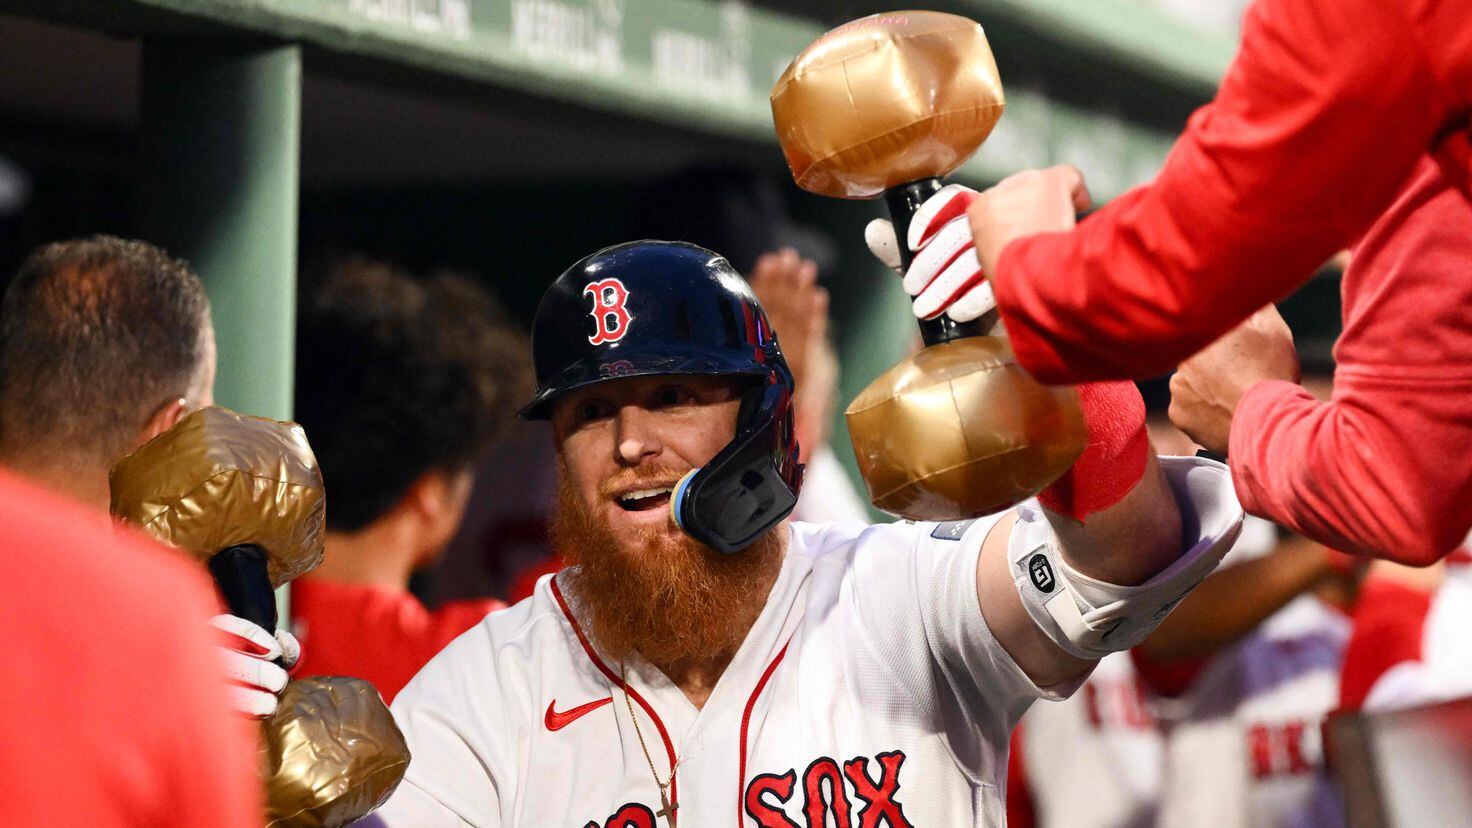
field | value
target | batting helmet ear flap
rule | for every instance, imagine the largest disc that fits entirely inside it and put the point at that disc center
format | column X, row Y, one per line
column 752, row 484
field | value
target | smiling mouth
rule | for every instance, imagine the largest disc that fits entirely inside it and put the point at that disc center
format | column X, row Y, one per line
column 643, row 500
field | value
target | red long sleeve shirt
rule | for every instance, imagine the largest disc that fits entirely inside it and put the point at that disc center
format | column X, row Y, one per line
column 1318, row 122
column 1334, row 118
column 1385, row 467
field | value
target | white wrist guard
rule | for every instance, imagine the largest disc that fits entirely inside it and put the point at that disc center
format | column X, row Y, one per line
column 1089, row 618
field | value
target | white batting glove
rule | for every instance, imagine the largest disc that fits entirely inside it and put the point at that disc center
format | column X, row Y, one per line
column 248, row 654
column 945, row 277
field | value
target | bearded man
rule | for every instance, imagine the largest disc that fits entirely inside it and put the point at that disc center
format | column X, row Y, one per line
column 702, row 660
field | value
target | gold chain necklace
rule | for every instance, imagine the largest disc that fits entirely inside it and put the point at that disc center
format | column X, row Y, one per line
column 667, row 809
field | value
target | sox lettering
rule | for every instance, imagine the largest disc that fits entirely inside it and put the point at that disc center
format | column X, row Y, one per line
column 826, row 790
column 610, row 313
column 632, row 815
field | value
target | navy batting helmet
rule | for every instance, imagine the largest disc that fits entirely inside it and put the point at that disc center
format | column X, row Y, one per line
column 654, row 308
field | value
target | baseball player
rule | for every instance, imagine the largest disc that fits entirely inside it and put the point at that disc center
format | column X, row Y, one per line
column 1241, row 717
column 703, row 662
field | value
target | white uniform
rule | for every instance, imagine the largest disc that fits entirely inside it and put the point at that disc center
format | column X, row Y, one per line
column 869, row 692
column 1243, row 744
column 1094, row 761
column 838, row 700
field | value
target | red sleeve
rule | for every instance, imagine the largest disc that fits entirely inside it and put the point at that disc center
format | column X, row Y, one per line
column 1320, row 118
column 1389, row 619
column 1379, row 469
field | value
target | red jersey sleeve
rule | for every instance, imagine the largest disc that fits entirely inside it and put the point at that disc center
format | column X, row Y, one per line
column 1320, row 118
column 1381, row 468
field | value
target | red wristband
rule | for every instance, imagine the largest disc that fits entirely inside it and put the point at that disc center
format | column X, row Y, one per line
column 1114, row 460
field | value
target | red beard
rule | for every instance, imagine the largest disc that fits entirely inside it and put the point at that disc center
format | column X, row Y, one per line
column 669, row 598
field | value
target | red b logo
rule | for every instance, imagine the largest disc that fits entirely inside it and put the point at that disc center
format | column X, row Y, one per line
column 609, row 311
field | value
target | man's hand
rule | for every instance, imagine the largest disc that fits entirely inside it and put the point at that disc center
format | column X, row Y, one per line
column 945, row 276
column 1206, row 388
column 1025, row 204
column 248, row 654
column 787, row 286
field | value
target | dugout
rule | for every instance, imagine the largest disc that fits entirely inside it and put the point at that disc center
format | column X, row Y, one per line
column 502, row 137
column 507, row 138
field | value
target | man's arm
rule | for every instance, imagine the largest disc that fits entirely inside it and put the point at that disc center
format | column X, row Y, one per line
column 1106, row 548
column 1234, row 600
column 1373, row 470
column 1318, row 121
column 1108, row 556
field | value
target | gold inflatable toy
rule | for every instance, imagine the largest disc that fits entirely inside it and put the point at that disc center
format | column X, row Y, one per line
column 888, row 105
column 243, row 495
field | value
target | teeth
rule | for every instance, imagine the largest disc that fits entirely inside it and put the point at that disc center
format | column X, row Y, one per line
column 643, row 493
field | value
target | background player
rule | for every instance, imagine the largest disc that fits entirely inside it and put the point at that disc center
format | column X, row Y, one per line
column 659, row 678
column 401, row 386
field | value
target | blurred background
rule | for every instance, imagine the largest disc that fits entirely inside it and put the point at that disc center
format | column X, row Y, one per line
column 505, row 139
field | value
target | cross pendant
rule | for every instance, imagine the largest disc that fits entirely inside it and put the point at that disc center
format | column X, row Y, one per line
column 668, row 811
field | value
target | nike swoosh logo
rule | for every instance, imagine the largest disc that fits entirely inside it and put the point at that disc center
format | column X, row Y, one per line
column 557, row 721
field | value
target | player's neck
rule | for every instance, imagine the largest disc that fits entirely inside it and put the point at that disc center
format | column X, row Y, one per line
column 78, row 479
column 379, row 554
column 696, row 679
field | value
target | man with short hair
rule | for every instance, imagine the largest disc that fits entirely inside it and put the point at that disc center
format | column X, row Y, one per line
column 401, row 386
column 104, row 344
column 701, row 659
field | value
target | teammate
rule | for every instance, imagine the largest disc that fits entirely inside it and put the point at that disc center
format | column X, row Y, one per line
column 401, row 386
column 863, row 673
column 1292, row 161
column 104, row 344
column 86, row 736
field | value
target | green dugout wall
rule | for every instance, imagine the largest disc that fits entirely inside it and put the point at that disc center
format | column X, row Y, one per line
column 222, row 111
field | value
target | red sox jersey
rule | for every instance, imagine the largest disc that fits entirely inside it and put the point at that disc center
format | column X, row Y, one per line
column 869, row 692
column 1242, row 744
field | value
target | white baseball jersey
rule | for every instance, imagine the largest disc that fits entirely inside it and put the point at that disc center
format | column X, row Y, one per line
column 1243, row 744
column 1094, row 760
column 869, row 692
